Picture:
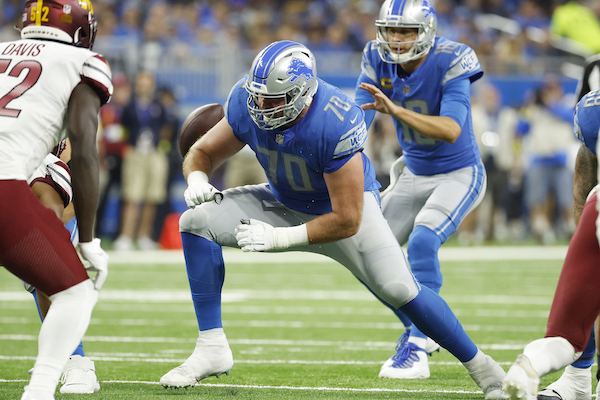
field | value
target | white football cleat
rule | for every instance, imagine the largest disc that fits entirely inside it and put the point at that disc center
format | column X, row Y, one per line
column 574, row 384
column 79, row 376
column 410, row 362
column 211, row 357
column 488, row 375
column 521, row 381
column 431, row 346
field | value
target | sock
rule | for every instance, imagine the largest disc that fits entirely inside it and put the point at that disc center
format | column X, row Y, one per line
column 423, row 246
column 587, row 358
column 64, row 326
column 435, row 318
column 73, row 230
column 206, row 274
column 79, row 350
column 550, row 354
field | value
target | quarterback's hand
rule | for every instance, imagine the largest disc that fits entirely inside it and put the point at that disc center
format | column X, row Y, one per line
column 382, row 103
column 98, row 259
column 200, row 191
column 255, row 235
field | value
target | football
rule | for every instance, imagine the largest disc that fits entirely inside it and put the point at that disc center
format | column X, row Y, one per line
column 197, row 124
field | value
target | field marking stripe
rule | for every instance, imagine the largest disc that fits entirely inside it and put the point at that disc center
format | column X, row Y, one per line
column 476, row 253
column 292, row 362
column 397, row 326
column 240, row 295
column 301, row 388
column 129, row 339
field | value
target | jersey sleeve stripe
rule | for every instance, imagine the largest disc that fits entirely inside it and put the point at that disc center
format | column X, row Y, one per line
column 352, row 141
column 96, row 73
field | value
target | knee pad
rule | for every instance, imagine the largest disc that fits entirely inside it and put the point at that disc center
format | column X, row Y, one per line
column 194, row 221
column 397, row 294
column 83, row 294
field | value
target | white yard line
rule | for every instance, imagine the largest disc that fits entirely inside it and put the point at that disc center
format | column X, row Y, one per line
column 299, row 388
column 240, row 295
column 251, row 342
column 397, row 326
column 483, row 253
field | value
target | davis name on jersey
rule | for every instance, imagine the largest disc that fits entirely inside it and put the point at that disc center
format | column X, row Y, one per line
column 422, row 92
column 295, row 159
column 587, row 119
column 37, row 78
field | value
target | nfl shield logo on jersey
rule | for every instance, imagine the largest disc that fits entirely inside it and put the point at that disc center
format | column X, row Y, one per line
column 279, row 138
column 67, row 9
column 406, row 89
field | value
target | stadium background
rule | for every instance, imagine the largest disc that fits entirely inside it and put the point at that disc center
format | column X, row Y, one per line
column 199, row 49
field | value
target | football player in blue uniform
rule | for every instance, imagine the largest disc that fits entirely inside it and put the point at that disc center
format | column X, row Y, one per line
column 577, row 299
column 423, row 81
column 321, row 197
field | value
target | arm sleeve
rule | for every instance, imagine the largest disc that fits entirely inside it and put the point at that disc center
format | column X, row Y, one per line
column 455, row 100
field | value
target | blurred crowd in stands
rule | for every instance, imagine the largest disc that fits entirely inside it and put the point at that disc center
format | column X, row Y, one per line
column 528, row 148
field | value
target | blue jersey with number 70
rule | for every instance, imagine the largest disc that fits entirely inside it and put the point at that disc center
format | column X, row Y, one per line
column 295, row 159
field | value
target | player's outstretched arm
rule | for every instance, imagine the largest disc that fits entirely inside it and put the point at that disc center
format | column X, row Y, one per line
column 584, row 180
column 431, row 126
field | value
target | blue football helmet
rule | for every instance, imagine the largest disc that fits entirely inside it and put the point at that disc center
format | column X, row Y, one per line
column 286, row 70
column 406, row 14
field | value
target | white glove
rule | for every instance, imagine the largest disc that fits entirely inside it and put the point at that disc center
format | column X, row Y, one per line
column 98, row 259
column 200, row 191
column 255, row 235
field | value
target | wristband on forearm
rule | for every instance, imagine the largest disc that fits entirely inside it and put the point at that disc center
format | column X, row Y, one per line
column 291, row 236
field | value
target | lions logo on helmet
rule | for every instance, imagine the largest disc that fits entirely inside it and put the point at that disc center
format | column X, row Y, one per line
column 298, row 68
column 418, row 14
column 67, row 21
column 283, row 70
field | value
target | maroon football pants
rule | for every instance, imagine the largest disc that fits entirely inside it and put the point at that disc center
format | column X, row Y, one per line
column 576, row 302
column 34, row 244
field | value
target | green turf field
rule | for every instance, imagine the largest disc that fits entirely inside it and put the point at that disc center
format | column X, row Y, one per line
column 300, row 326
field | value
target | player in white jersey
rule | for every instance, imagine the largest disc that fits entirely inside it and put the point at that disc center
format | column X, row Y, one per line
column 51, row 183
column 52, row 86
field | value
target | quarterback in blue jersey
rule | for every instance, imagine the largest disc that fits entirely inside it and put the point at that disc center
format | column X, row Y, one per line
column 423, row 81
column 321, row 197
column 569, row 335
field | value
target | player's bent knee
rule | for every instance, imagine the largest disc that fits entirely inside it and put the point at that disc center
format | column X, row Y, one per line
column 83, row 294
column 194, row 221
column 423, row 241
column 398, row 294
